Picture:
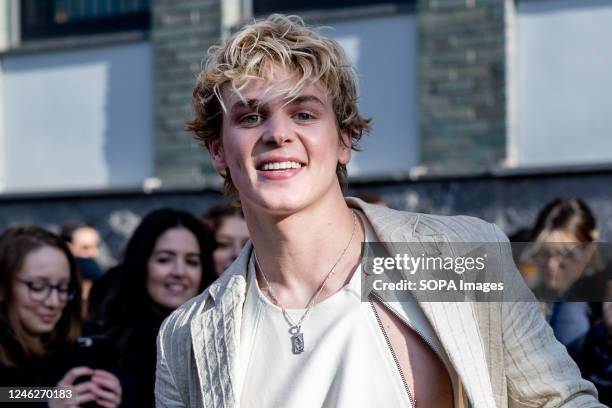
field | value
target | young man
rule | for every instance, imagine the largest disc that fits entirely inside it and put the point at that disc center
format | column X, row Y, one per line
column 286, row 326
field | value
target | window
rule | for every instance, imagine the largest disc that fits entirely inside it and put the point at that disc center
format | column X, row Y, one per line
column 563, row 83
column 261, row 7
column 55, row 18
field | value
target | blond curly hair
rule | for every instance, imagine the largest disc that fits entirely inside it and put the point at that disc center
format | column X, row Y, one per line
column 284, row 41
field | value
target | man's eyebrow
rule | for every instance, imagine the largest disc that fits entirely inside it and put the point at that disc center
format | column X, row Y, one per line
column 249, row 103
column 306, row 98
column 256, row 103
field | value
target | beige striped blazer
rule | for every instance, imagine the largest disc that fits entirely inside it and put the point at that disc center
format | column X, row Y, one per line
column 504, row 352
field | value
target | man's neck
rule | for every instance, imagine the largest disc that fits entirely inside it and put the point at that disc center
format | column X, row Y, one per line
column 296, row 252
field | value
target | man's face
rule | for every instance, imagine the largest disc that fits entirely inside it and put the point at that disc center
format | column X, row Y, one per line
column 85, row 243
column 282, row 155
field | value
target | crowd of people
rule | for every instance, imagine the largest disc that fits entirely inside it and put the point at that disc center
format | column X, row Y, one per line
column 66, row 323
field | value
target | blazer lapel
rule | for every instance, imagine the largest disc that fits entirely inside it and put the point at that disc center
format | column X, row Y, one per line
column 215, row 335
column 455, row 323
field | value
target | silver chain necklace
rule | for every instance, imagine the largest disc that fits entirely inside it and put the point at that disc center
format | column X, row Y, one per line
column 295, row 329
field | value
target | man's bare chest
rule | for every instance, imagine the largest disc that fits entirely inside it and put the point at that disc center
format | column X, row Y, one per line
column 422, row 371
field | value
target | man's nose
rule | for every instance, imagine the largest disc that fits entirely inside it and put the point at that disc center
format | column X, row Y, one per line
column 277, row 130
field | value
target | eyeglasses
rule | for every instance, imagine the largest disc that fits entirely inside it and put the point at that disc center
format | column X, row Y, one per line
column 40, row 291
column 570, row 253
column 572, row 256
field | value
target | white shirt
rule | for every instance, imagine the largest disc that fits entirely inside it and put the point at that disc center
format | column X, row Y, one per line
column 346, row 361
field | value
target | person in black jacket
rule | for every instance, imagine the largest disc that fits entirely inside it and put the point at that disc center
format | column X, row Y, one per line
column 167, row 261
column 40, row 321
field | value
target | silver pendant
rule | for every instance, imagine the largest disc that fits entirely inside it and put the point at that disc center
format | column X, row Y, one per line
column 297, row 339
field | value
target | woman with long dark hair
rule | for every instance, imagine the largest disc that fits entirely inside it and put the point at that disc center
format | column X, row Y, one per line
column 168, row 260
column 40, row 320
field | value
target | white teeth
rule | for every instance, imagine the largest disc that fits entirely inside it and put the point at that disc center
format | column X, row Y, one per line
column 281, row 165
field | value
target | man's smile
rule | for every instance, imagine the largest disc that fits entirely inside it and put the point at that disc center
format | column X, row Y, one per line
column 278, row 168
column 281, row 166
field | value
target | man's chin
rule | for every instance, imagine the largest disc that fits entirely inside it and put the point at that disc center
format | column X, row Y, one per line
column 277, row 203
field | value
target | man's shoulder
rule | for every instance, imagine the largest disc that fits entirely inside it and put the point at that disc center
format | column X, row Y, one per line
column 177, row 325
column 458, row 228
column 455, row 228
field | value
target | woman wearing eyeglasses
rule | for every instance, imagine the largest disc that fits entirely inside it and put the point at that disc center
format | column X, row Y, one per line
column 40, row 320
column 564, row 256
column 574, row 271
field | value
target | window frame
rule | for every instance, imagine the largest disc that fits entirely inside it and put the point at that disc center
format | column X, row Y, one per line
column 47, row 28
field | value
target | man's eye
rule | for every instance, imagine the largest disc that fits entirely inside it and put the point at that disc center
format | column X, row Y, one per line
column 250, row 119
column 303, row 116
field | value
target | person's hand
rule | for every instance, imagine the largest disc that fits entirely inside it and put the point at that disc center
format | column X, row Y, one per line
column 107, row 389
column 102, row 387
column 81, row 393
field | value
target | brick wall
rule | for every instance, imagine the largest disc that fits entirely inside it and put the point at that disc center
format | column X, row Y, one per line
column 462, row 84
column 181, row 33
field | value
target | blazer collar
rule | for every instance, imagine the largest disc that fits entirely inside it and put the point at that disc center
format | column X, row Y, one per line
column 236, row 273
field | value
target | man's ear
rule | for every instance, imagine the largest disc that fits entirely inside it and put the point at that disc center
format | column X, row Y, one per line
column 345, row 149
column 217, row 156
